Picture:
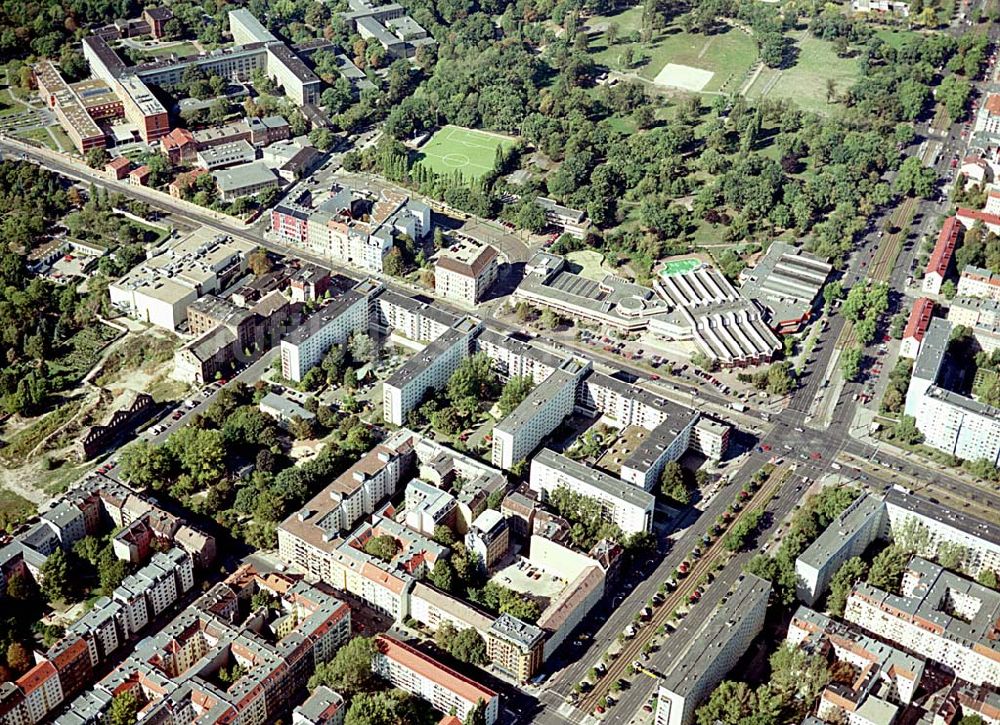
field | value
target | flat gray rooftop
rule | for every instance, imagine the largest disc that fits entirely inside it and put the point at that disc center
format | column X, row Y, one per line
column 711, row 634
column 613, row 487
column 850, row 520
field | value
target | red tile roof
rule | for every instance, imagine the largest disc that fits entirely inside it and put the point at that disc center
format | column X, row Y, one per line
column 978, row 216
column 384, row 578
column 122, row 162
column 177, row 138
column 993, row 104
column 426, row 666
column 946, row 242
column 920, row 318
column 36, row 677
column 70, row 654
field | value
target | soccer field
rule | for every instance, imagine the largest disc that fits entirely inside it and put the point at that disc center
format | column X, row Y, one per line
column 470, row 151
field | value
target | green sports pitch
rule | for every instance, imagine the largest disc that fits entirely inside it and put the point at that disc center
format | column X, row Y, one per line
column 464, row 149
column 679, row 266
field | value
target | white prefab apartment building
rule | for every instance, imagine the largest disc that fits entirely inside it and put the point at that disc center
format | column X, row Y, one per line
column 848, row 535
column 347, row 315
column 941, row 616
column 713, row 646
column 427, row 370
column 514, row 358
column 540, row 413
column 978, row 540
column 921, row 525
column 416, row 321
column 626, row 505
column 950, row 421
column 417, row 673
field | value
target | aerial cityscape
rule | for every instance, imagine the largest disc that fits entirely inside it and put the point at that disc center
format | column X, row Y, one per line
column 474, row 362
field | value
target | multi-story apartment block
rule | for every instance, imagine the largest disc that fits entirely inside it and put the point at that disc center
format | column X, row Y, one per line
column 308, row 539
column 445, row 689
column 68, row 523
column 429, row 369
column 411, row 319
column 874, row 660
column 940, row 615
column 465, row 271
column 335, row 228
column 428, row 507
column 627, row 506
column 444, row 467
column 432, row 608
column 177, row 670
column 349, row 314
column 848, row 535
column 711, row 647
column 988, row 118
column 323, row 707
column 916, row 327
column 101, row 628
column 309, row 282
column 515, row 647
column 932, row 527
column 385, row 585
column 541, row 412
column 148, row 592
column 949, row 420
column 981, row 312
column 919, row 524
column 489, row 537
column 940, row 260
column 40, row 690
column 513, row 358
column 979, row 282
column 710, row 438
column 69, row 665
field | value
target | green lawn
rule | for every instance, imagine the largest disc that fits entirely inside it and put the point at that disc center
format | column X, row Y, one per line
column 8, row 105
column 39, row 135
column 454, row 148
column 13, row 509
column 181, row 49
column 63, row 139
column 728, row 55
column 805, row 83
column 895, row 38
column 628, row 21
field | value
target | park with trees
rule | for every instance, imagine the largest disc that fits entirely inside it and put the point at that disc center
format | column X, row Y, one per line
column 198, row 464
